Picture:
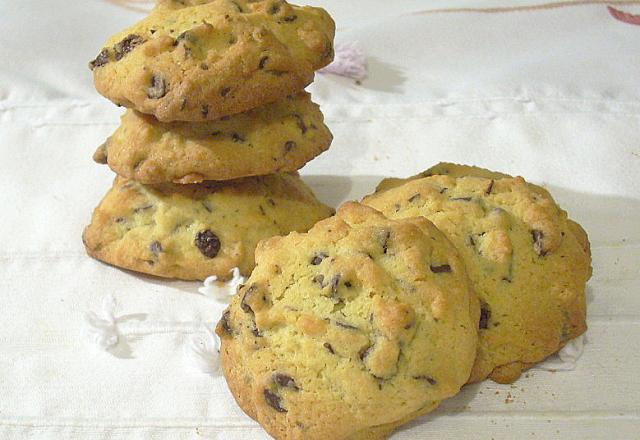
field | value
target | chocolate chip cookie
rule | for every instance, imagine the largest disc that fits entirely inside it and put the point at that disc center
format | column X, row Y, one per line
column 194, row 231
column 277, row 137
column 351, row 329
column 528, row 262
column 195, row 61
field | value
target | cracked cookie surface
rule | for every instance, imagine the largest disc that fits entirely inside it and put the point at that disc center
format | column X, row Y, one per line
column 351, row 329
column 528, row 262
column 195, row 61
column 277, row 137
column 194, row 231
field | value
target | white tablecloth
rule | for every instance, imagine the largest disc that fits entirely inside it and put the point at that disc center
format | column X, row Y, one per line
column 552, row 94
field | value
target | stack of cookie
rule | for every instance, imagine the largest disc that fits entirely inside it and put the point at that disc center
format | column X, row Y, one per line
column 216, row 126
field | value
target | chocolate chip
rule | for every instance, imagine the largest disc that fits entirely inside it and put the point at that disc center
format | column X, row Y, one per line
column 121, row 220
column 489, row 189
column 318, row 257
column 225, row 91
column 460, row 199
column 445, row 268
column 101, row 59
column 335, row 283
column 286, row 381
column 204, row 66
column 204, row 110
column 290, row 18
column 300, row 122
column 429, row 379
column 208, row 243
column 251, row 291
column 538, row 245
column 413, row 198
column 329, row 347
column 485, row 316
column 155, row 248
column 158, row 87
column 289, row 145
column 274, row 401
column 127, row 45
column 348, row 284
column 263, row 62
column 237, row 138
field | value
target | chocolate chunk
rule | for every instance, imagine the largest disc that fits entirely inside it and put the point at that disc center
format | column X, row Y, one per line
column 204, row 66
column 121, row 220
column 489, row 189
column 429, row 379
column 445, row 268
column 329, row 347
column 274, row 401
column 158, row 87
column 263, row 62
column 460, row 199
column 225, row 91
column 538, row 245
column 300, row 122
column 290, row 18
column 335, row 283
column 127, row 45
column 485, row 316
column 101, row 59
column 237, row 138
column 348, row 284
column 204, row 110
column 155, row 248
column 317, row 259
column 413, row 198
column 208, row 243
column 251, row 291
column 286, row 381
column 289, row 145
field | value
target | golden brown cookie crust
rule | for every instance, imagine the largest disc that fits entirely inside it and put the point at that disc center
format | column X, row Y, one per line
column 213, row 59
column 528, row 262
column 277, row 137
column 349, row 330
column 193, row 231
